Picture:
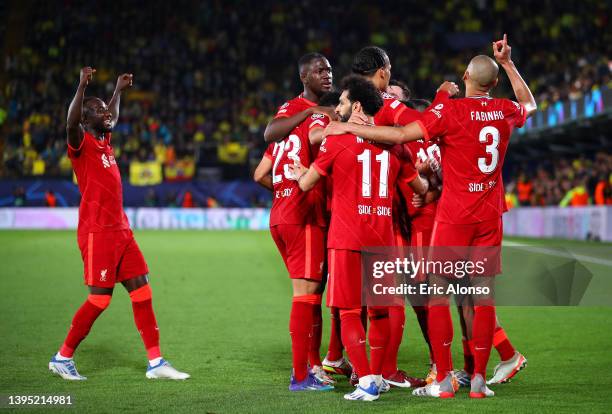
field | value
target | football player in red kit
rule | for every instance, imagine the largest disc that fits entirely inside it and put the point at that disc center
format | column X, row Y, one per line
column 108, row 249
column 363, row 185
column 298, row 226
column 422, row 211
column 373, row 63
column 316, row 76
column 474, row 135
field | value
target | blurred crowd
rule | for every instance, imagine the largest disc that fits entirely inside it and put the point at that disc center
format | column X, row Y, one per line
column 208, row 75
column 562, row 182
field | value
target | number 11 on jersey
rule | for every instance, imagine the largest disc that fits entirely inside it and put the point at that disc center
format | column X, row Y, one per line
column 366, row 173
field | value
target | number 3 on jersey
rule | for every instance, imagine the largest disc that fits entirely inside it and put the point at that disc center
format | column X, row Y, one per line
column 366, row 173
column 292, row 146
column 483, row 137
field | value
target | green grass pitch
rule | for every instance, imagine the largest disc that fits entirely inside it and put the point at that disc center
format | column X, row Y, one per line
column 222, row 303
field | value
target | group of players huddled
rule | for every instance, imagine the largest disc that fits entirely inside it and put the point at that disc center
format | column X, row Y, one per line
column 366, row 165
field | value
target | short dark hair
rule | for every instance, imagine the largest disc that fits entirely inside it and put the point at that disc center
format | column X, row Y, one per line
column 331, row 98
column 308, row 58
column 363, row 91
column 405, row 89
column 368, row 60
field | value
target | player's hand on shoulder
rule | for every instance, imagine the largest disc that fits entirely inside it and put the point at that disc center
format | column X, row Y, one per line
column 335, row 128
column 359, row 118
column 86, row 75
column 124, row 81
column 449, row 87
column 502, row 50
column 326, row 110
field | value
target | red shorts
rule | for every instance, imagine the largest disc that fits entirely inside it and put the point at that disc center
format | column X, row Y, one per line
column 110, row 257
column 302, row 248
column 344, row 284
column 485, row 233
column 420, row 237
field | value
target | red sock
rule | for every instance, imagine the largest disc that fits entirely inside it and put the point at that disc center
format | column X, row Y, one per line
column 300, row 329
column 142, row 305
column 421, row 314
column 353, row 338
column 468, row 357
column 334, row 350
column 378, row 337
column 440, row 327
column 482, row 337
column 314, row 354
column 502, row 344
column 82, row 322
column 364, row 318
column 397, row 318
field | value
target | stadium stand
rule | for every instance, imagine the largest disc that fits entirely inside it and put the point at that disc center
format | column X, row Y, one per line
column 189, row 118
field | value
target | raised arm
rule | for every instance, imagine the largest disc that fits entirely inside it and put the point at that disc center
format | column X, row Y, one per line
column 123, row 81
column 278, row 128
column 262, row 173
column 501, row 51
column 75, row 110
column 382, row 134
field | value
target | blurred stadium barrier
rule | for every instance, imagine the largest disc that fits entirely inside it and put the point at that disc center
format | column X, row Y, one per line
column 578, row 223
column 142, row 218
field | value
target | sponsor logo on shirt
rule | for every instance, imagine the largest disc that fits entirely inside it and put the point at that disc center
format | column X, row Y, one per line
column 436, row 110
column 108, row 160
column 480, row 187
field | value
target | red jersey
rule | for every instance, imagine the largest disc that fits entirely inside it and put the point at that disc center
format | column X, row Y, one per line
column 422, row 150
column 364, row 175
column 293, row 106
column 321, row 121
column 290, row 205
column 474, row 135
column 99, row 181
column 393, row 112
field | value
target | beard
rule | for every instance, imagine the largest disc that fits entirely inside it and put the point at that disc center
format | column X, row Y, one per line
column 345, row 117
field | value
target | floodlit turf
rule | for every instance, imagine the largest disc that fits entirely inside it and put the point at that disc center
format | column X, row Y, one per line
column 222, row 303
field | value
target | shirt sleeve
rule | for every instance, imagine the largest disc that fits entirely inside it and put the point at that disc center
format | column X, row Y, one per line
column 317, row 121
column 407, row 116
column 408, row 170
column 390, row 113
column 269, row 151
column 517, row 115
column 287, row 110
column 435, row 120
column 328, row 151
column 75, row 152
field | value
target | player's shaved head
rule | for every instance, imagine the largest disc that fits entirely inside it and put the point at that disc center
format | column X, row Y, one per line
column 90, row 105
column 483, row 71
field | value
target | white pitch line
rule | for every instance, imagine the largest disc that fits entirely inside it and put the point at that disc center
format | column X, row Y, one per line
column 580, row 257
